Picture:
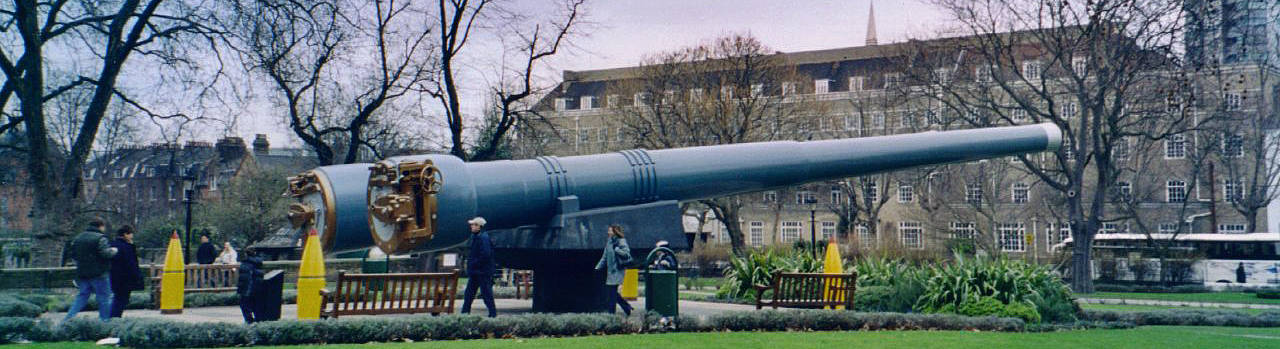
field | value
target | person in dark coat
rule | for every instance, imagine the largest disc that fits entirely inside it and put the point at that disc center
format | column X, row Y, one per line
column 92, row 253
column 126, row 276
column 614, row 261
column 480, row 267
column 246, row 285
column 207, row 253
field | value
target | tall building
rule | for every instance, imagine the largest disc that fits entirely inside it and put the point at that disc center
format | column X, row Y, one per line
column 1225, row 32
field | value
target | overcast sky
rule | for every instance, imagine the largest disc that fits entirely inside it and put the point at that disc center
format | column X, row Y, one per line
column 621, row 33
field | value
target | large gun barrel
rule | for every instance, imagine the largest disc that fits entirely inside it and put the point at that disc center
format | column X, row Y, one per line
column 409, row 197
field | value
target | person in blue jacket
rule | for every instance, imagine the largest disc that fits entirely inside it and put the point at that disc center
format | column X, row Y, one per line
column 480, row 268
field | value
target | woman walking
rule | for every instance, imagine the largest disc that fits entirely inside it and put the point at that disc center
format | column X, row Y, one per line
column 614, row 259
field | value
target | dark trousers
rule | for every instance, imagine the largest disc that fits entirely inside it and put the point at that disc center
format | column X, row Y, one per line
column 246, row 309
column 119, row 300
column 617, row 300
column 485, row 284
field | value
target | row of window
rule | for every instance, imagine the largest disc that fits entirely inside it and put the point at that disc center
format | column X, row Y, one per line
column 789, row 231
column 1020, row 193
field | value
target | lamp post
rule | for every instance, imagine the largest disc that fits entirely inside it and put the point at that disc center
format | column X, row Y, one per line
column 813, row 228
column 188, row 198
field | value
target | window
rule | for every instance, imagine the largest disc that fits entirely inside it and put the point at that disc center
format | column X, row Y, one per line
column 1031, row 70
column 770, row 196
column 791, row 231
column 1019, row 115
column 864, row 236
column 1124, row 191
column 1012, row 237
column 1021, row 193
column 1056, row 233
column 640, row 99
column 836, row 193
column 1109, row 228
column 856, row 83
column 871, row 190
column 1172, row 104
column 907, row 119
column 1232, row 191
column 821, row 86
column 805, row 197
column 1231, row 228
column 877, row 121
column 1079, row 65
column 1177, row 191
column 611, row 101
column 1168, row 228
column 603, row 135
column 620, row 135
column 964, row 230
column 1233, row 145
column 1175, row 147
column 906, row 193
column 584, row 135
column 942, row 76
column 973, row 194
column 561, row 104
column 1121, row 149
column 828, row 230
column 726, row 92
column 892, row 80
column 912, row 234
column 1068, row 151
column 695, row 95
column 757, row 90
column 1070, row 110
column 588, row 102
column 668, row 96
column 982, row 74
column 851, row 122
column 1231, row 101
column 756, row 231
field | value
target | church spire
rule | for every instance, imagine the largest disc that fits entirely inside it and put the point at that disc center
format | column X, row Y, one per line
column 871, row 26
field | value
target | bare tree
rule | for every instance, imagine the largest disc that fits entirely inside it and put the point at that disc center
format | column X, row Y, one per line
column 106, row 36
column 336, row 67
column 535, row 40
column 1091, row 68
column 731, row 90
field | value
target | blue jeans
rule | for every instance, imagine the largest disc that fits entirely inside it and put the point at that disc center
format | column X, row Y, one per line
column 101, row 288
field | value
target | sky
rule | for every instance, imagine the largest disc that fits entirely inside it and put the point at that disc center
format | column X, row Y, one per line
column 621, row 33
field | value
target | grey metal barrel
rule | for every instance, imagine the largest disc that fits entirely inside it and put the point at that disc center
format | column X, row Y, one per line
column 423, row 202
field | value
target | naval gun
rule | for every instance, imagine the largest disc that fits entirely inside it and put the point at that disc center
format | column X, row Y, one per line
column 550, row 214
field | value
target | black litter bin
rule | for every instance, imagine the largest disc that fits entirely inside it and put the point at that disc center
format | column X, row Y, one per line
column 268, row 297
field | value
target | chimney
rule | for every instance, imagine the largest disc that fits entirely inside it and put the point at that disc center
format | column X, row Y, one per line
column 260, row 144
column 230, row 147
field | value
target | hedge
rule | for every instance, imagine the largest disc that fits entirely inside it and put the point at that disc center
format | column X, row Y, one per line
column 1187, row 317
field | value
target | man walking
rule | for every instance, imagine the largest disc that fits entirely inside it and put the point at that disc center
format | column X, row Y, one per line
column 92, row 254
column 207, row 253
column 125, row 275
column 248, row 283
column 479, row 268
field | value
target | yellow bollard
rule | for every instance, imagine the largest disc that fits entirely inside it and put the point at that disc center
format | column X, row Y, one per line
column 173, row 279
column 832, row 264
column 630, row 284
column 310, row 278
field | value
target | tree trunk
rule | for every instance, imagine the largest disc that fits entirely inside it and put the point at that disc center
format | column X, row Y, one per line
column 1081, row 249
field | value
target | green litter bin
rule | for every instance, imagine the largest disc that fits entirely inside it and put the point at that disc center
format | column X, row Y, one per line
column 375, row 262
column 661, row 287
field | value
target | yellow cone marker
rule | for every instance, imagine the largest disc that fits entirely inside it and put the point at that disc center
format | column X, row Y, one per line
column 172, row 281
column 832, row 264
column 630, row 284
column 310, row 278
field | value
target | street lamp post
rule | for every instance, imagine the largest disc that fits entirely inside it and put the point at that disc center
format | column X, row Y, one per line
column 188, row 198
column 813, row 229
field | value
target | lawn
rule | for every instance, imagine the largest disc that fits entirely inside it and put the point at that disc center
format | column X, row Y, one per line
column 1126, row 307
column 1211, row 297
column 1164, row 337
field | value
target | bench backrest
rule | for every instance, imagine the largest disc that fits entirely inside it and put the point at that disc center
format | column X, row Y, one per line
column 356, row 294
column 814, row 289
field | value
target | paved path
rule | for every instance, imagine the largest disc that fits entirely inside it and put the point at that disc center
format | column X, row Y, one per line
column 1128, row 301
column 289, row 311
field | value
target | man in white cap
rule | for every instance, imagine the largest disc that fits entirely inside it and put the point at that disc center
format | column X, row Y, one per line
column 479, row 268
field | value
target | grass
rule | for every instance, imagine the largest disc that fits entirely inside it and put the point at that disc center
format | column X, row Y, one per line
column 1126, row 307
column 1164, row 337
column 1210, row 297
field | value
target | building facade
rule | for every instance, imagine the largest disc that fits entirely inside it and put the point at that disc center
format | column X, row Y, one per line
column 1233, row 31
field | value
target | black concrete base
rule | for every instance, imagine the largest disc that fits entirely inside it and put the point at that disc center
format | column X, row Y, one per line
column 570, row 291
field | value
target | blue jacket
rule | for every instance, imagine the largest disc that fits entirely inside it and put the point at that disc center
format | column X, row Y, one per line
column 609, row 260
column 125, row 274
column 480, row 259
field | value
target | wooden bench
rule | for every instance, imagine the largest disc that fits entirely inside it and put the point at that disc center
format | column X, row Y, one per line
column 809, row 290
column 198, row 278
column 395, row 293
